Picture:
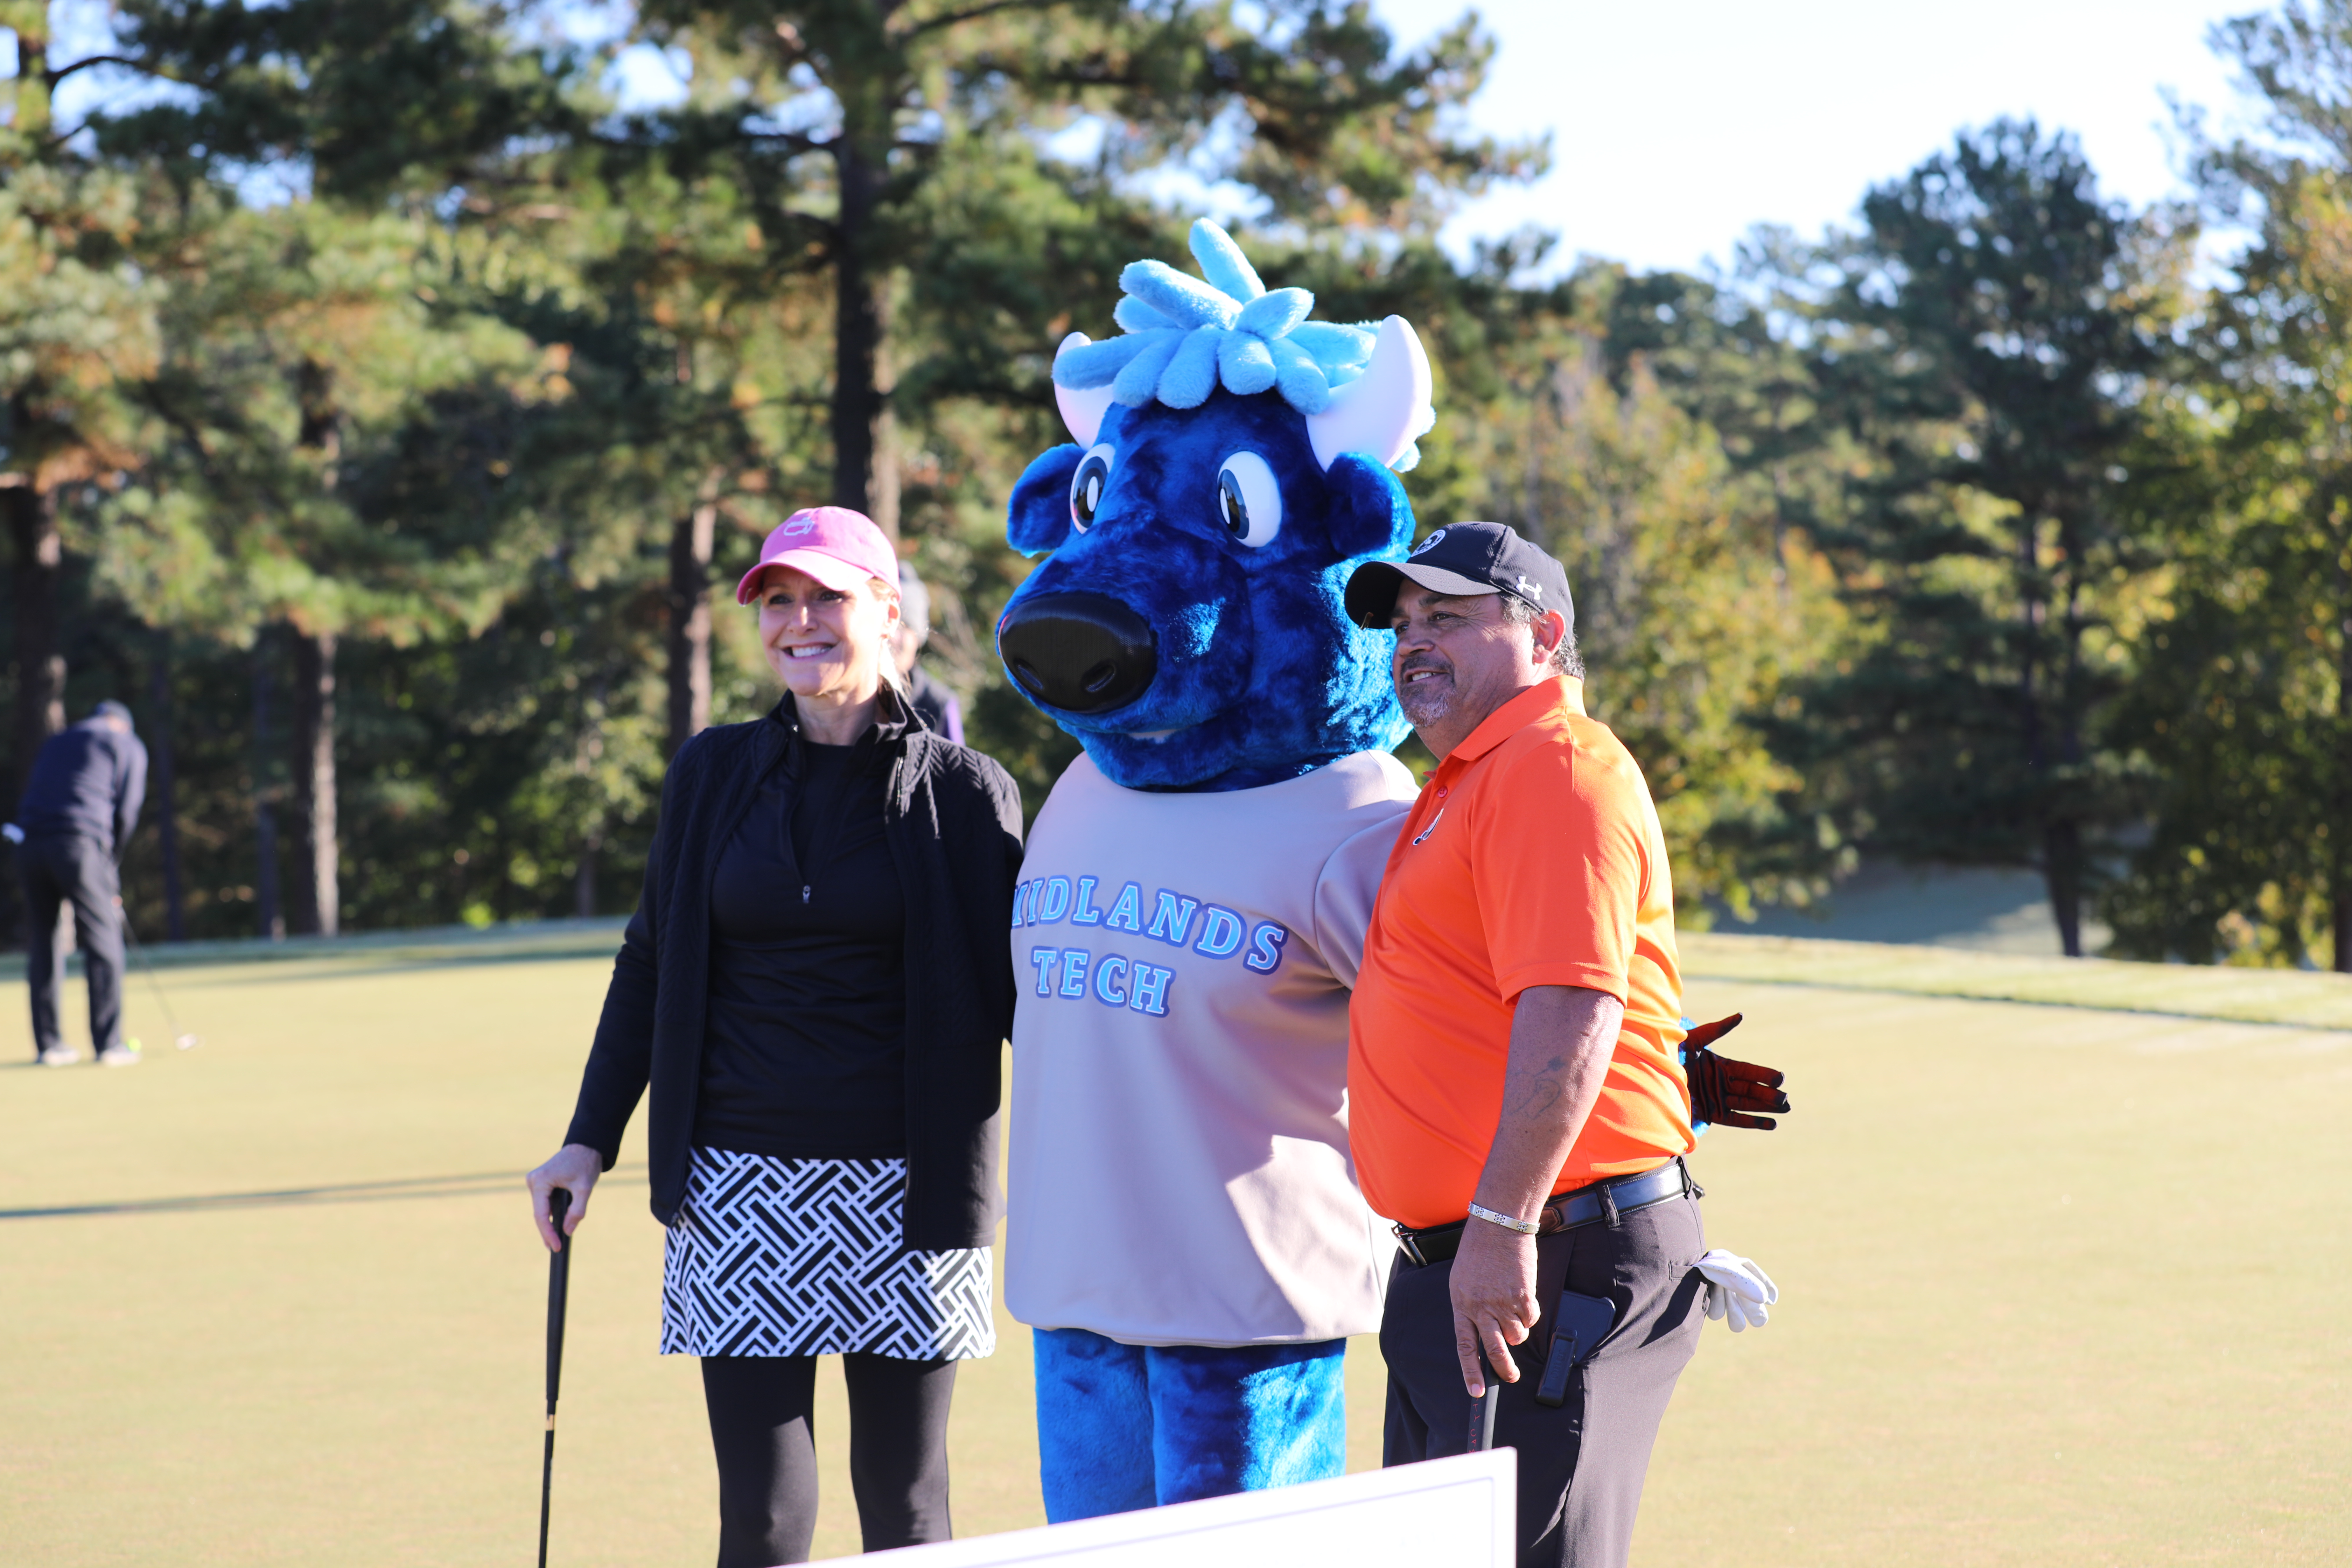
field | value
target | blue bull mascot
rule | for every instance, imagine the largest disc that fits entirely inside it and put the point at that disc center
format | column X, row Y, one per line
column 1186, row 1235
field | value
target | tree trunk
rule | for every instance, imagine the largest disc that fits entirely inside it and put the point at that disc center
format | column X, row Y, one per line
column 2341, row 925
column 40, row 667
column 163, row 788
column 2063, row 841
column 2062, row 873
column 2340, row 818
column 32, row 110
column 318, row 894
column 691, row 544
column 591, row 835
column 266, row 911
column 865, row 459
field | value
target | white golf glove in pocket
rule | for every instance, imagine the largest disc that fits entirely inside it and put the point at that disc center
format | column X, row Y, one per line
column 1737, row 1289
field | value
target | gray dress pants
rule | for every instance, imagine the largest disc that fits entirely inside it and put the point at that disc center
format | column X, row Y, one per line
column 1581, row 1464
column 58, row 868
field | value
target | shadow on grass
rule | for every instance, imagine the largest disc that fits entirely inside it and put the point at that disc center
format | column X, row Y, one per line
column 486, row 1182
column 346, row 966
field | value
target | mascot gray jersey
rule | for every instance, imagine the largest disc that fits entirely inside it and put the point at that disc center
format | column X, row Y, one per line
column 1180, row 1171
column 1195, row 892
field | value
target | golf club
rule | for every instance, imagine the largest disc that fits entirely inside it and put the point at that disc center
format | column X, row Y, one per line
column 1482, row 1412
column 559, row 1280
column 186, row 1042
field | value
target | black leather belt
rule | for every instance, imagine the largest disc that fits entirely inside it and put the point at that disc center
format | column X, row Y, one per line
column 1565, row 1211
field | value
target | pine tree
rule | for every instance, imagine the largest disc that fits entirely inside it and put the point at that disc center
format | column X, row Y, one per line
column 2245, row 712
column 301, row 354
column 1992, row 327
column 76, row 321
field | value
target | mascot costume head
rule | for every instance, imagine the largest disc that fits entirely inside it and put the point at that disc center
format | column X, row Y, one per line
column 1232, row 465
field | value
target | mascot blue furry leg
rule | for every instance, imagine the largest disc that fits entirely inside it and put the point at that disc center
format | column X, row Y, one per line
column 1128, row 1427
column 1186, row 1237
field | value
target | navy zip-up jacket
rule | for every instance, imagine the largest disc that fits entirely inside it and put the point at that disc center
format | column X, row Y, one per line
column 89, row 781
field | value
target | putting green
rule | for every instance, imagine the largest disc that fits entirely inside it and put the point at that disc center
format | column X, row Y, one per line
column 2062, row 1287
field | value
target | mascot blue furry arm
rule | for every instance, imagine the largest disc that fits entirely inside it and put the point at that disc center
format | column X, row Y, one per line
column 1186, row 1238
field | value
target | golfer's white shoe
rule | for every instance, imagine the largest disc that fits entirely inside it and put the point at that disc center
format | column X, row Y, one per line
column 58, row 1057
column 119, row 1057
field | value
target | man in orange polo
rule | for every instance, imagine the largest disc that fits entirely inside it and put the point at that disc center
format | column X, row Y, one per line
column 1516, row 1099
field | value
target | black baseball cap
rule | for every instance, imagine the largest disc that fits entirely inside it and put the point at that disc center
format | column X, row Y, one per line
column 1462, row 558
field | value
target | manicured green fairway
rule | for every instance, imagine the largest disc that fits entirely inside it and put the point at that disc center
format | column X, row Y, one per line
column 2062, row 1287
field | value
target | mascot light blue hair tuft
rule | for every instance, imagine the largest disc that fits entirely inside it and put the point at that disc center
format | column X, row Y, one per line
column 1233, row 464
column 1186, row 1237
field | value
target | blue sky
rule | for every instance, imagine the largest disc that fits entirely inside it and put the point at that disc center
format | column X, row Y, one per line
column 1677, row 127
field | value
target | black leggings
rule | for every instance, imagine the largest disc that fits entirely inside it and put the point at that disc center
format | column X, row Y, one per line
column 762, row 1431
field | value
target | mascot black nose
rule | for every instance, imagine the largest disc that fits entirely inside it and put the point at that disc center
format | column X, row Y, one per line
column 1082, row 653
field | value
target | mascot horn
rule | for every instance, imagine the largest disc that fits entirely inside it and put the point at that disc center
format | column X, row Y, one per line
column 1186, row 1237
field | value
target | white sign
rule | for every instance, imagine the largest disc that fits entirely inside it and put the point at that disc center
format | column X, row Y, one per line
column 1446, row 1513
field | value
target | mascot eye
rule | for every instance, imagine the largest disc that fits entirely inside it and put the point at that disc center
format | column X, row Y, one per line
column 1249, row 503
column 1086, row 486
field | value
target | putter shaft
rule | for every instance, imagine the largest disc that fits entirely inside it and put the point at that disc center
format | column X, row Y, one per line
column 558, row 1283
column 180, row 1038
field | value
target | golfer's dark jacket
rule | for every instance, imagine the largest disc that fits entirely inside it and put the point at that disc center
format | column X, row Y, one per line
column 89, row 781
column 952, row 819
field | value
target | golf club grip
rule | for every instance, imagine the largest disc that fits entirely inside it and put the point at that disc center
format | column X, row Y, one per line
column 1482, row 1409
column 558, row 1284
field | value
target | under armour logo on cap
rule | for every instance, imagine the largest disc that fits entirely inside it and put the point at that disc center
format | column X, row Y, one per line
column 1462, row 558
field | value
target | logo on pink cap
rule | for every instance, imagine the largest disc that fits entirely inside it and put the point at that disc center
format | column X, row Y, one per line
column 840, row 548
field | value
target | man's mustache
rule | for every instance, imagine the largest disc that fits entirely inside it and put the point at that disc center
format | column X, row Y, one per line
column 1421, row 661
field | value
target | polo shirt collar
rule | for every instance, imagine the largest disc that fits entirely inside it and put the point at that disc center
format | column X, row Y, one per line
column 1561, row 692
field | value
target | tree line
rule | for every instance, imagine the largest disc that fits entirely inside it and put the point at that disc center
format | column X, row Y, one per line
column 383, row 400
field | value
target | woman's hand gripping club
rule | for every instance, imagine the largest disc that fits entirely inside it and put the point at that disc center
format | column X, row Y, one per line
column 575, row 1168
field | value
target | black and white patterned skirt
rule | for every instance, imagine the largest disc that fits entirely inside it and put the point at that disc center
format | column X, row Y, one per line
column 773, row 1256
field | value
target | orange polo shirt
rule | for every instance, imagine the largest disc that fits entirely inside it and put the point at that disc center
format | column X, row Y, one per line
column 1532, row 857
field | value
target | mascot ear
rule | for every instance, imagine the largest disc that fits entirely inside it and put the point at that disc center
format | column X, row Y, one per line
column 1370, row 514
column 1039, row 519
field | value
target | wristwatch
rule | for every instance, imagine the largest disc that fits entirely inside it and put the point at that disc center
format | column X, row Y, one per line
column 1523, row 1226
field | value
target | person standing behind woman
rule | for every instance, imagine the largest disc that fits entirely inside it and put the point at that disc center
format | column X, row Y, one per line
column 816, row 987
column 925, row 690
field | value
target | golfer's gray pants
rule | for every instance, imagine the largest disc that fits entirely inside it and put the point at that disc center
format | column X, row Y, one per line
column 59, row 868
column 1581, row 1465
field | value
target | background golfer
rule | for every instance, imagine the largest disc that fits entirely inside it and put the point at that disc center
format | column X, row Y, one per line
column 76, row 815
column 816, row 987
column 1517, row 1103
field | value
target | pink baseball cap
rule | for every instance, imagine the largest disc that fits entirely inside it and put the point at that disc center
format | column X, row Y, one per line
column 840, row 548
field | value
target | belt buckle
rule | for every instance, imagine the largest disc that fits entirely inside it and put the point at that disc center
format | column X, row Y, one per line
column 1410, row 1247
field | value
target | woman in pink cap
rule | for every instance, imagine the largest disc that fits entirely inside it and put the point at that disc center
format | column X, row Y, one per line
column 816, row 988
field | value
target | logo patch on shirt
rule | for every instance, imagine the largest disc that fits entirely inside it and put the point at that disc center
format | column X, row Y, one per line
column 1422, row 837
column 1119, row 980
